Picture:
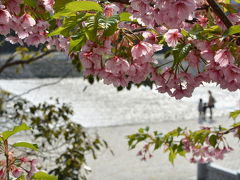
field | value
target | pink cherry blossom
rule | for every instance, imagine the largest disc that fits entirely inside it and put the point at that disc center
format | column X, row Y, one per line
column 141, row 49
column 223, row 57
column 111, row 9
column 4, row 29
column 17, row 172
column 172, row 37
column 117, row 65
column 27, row 21
column 49, row 5
column 4, row 16
column 35, row 40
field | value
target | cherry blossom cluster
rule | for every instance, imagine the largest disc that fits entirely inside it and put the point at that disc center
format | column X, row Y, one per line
column 170, row 13
column 19, row 25
column 203, row 146
column 139, row 65
column 117, row 70
column 205, row 153
column 127, row 56
column 18, row 167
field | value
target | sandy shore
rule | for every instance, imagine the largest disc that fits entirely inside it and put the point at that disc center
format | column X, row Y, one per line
column 125, row 165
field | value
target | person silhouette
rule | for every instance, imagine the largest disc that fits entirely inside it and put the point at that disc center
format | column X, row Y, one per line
column 211, row 103
column 200, row 110
column 205, row 106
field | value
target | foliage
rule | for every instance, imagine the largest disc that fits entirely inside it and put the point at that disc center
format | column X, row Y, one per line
column 18, row 167
column 53, row 129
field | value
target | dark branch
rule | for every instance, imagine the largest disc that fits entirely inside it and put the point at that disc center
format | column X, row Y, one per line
column 120, row 1
column 39, row 87
column 219, row 12
column 21, row 62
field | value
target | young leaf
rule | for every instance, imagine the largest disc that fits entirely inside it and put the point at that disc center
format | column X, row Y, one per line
column 234, row 30
column 234, row 114
column 76, row 44
column 180, row 52
column 172, row 156
column 22, row 127
column 83, row 6
column 60, row 4
column 125, row 16
column 21, row 178
column 26, row 145
column 43, row 176
column 109, row 25
column 58, row 31
column 213, row 140
column 32, row 3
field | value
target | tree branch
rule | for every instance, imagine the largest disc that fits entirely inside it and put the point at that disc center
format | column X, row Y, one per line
column 18, row 62
column 219, row 12
column 120, row 1
column 39, row 87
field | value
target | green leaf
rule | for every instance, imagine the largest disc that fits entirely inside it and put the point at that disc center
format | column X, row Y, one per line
column 125, row 16
column 26, row 145
column 21, row 178
column 60, row 4
column 213, row 140
column 200, row 136
column 158, row 143
column 83, row 6
column 196, row 29
column 184, row 33
column 32, row 3
column 64, row 13
column 172, row 156
column 43, row 176
column 92, row 27
column 22, row 127
column 213, row 29
column 180, row 52
column 109, row 25
column 234, row 114
column 234, row 30
column 76, row 44
column 57, row 31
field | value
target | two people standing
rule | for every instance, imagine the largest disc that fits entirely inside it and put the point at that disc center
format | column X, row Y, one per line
column 202, row 107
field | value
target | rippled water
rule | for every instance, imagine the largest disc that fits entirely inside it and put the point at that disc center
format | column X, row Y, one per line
column 102, row 105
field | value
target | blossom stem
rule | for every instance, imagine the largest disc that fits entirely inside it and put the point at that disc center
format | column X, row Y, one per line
column 7, row 159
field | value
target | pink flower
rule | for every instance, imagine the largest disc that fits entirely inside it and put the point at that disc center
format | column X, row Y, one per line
column 141, row 49
column 49, row 5
column 35, row 40
column 4, row 29
column 149, row 37
column 144, row 50
column 2, row 174
column 13, row 6
column 33, row 169
column 172, row 37
column 17, row 172
column 4, row 16
column 24, row 159
column 110, row 9
column 27, row 21
column 14, row 40
column 183, row 8
column 223, row 57
column 117, row 65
